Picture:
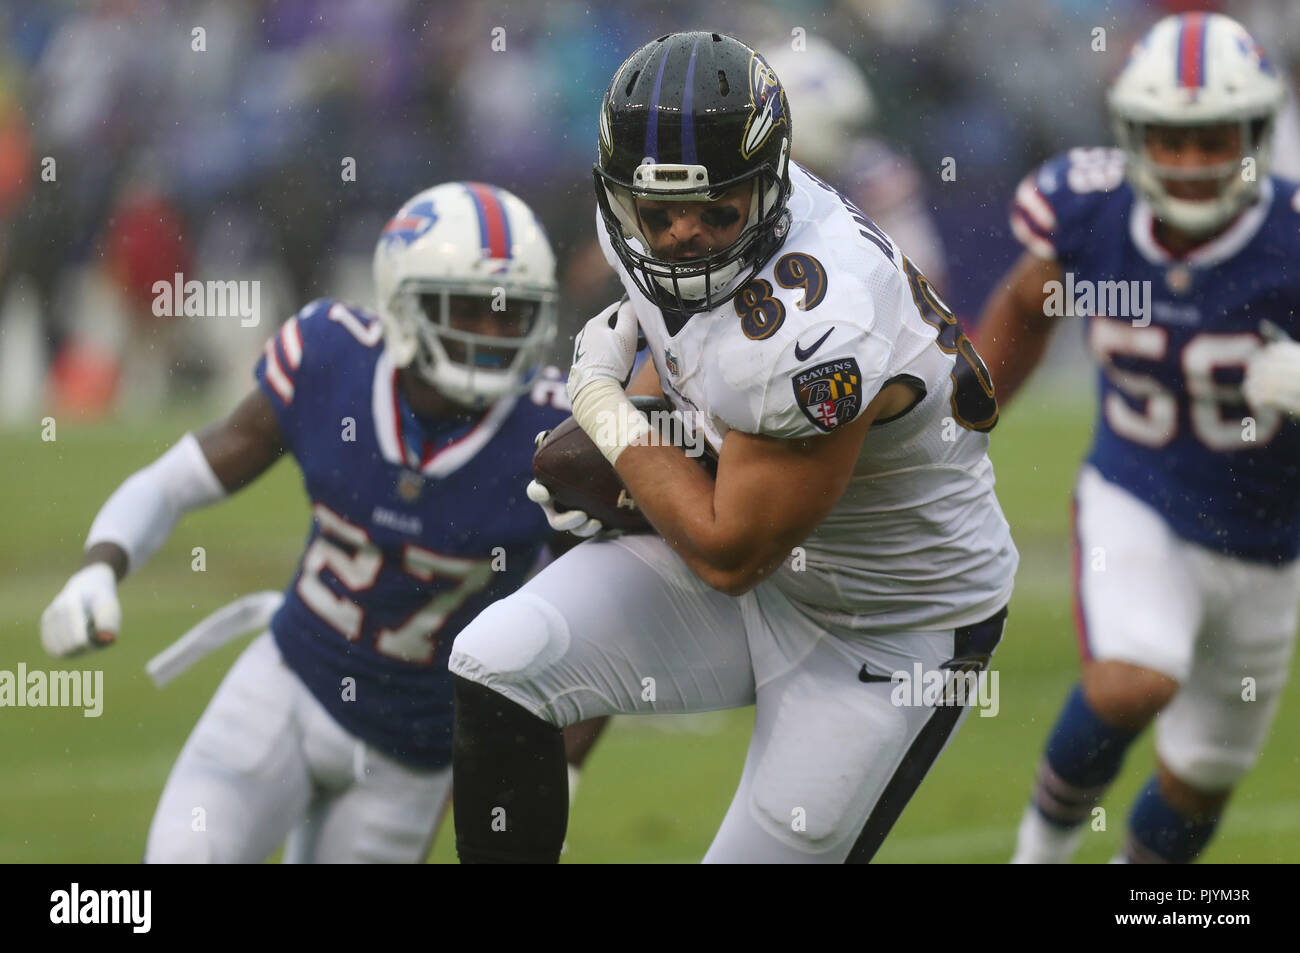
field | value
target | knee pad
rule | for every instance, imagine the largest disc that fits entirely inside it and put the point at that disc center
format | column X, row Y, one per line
column 1209, row 736
column 509, row 644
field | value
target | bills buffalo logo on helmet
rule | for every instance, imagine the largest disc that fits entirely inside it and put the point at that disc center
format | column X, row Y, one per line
column 769, row 106
column 410, row 223
column 829, row 394
column 1250, row 46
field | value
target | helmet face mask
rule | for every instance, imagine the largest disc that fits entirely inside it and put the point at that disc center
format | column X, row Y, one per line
column 1198, row 75
column 467, row 292
column 1160, row 183
column 473, row 368
column 702, row 282
column 687, row 118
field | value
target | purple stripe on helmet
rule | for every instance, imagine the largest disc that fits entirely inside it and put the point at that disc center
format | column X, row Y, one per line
column 688, row 113
column 652, row 122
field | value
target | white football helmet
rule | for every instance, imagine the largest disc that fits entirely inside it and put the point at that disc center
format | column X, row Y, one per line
column 478, row 241
column 829, row 94
column 1197, row 69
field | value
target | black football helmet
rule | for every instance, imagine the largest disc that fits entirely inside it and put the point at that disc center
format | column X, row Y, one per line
column 687, row 117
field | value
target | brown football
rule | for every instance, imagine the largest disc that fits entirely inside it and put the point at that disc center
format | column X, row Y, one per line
column 580, row 478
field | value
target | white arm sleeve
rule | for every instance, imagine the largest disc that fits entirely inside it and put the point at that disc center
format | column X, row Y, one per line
column 141, row 513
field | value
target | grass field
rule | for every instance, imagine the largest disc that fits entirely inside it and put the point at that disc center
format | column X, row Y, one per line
column 76, row 789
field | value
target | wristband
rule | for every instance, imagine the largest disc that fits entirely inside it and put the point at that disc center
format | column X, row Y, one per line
column 612, row 422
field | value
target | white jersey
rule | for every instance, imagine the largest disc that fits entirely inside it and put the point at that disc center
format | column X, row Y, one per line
column 918, row 540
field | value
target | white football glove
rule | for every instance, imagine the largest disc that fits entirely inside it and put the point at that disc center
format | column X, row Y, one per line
column 570, row 521
column 1273, row 373
column 605, row 348
column 84, row 615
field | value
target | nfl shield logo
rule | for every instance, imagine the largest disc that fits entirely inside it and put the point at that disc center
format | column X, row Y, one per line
column 1179, row 279
column 671, row 361
column 409, row 485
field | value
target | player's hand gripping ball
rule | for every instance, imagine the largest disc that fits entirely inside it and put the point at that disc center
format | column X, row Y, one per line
column 575, row 482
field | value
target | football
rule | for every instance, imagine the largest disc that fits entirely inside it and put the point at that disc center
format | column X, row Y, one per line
column 580, row 478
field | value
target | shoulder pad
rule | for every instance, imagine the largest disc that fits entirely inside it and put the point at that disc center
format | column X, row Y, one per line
column 1052, row 207
column 312, row 339
column 819, row 367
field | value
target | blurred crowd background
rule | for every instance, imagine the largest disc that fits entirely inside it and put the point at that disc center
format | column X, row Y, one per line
column 227, row 162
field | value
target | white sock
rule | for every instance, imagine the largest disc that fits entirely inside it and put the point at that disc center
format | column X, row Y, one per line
column 1038, row 842
column 573, row 791
column 573, row 784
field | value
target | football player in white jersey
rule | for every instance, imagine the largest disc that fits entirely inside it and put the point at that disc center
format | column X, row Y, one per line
column 333, row 729
column 851, row 540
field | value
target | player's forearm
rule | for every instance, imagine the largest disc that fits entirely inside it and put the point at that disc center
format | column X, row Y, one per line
column 199, row 470
column 678, row 498
column 1014, row 330
column 111, row 554
column 1012, row 348
column 137, row 519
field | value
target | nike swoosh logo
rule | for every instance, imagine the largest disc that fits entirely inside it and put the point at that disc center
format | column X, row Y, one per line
column 864, row 675
column 802, row 354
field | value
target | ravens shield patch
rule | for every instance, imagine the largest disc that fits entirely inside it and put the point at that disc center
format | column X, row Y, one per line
column 829, row 394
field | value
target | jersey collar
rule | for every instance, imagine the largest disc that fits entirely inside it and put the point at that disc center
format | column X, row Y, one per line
column 447, row 459
column 1214, row 252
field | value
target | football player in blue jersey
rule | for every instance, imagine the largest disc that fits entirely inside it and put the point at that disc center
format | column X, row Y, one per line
column 1179, row 252
column 413, row 428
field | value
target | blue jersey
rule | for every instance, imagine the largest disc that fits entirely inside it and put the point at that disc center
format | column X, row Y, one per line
column 416, row 527
column 1172, row 337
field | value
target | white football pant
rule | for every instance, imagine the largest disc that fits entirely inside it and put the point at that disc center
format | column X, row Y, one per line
column 1223, row 628
column 266, row 761
column 623, row 626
